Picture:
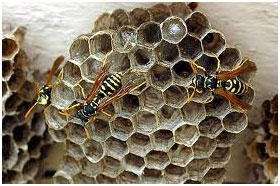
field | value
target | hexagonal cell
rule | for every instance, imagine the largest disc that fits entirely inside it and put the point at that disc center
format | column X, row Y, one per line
column 27, row 91
column 180, row 9
column 90, row 68
column 61, row 177
column 204, row 147
column 136, row 78
column 210, row 63
column 202, row 97
column 5, row 89
column 139, row 144
column 124, row 39
column 176, row 174
column 90, row 169
column 162, row 140
column 9, row 123
column 141, row 58
column 23, row 157
column 214, row 176
column 21, row 134
column 54, row 119
column 9, row 152
column 30, row 169
column 235, row 122
column 213, row 42
column 119, row 18
column 186, row 135
column 82, row 179
column 100, row 44
column 166, row 53
column 20, row 60
column 193, row 113
column 127, row 177
column 71, row 73
column 152, row 99
column 38, row 125
column 182, row 73
column 219, row 106
column 229, row 58
column 86, row 86
column 190, row 47
column 157, row 160
column 34, row 146
column 76, row 133
column 10, row 176
column 181, row 155
column 71, row 166
column 175, row 96
column 99, row 130
column 220, row 157
column 161, row 76
column 197, row 169
column 198, row 24
column 116, row 148
column 173, row 29
column 128, row 105
column 120, row 62
column 58, row 135
column 122, row 128
column 134, row 163
column 93, row 150
column 13, row 102
column 210, row 127
column 73, row 150
column 111, row 166
column 102, row 179
column 149, row 34
column 79, row 49
column 159, row 12
column 102, row 22
column 226, row 139
column 7, row 69
column 169, row 117
column 62, row 96
column 139, row 16
column 152, row 176
column 16, row 80
column 9, row 47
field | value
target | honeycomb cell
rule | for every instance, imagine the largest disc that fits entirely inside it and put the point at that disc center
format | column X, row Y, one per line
column 166, row 53
column 175, row 96
column 180, row 9
column 182, row 73
column 82, row 179
column 30, row 169
column 12, row 103
column 34, row 146
column 111, row 166
column 9, row 123
column 175, row 174
column 139, row 16
column 7, row 69
column 162, row 140
column 71, row 166
column 149, row 34
column 84, row 86
column 186, row 135
column 214, row 176
column 197, row 169
column 124, row 39
column 58, row 135
column 37, row 124
column 159, row 12
column 127, row 177
column 116, row 148
column 220, row 157
column 152, row 99
column 128, row 105
column 202, row 97
column 247, row 77
column 10, row 176
column 5, row 89
column 9, row 152
column 9, row 47
column 152, row 176
column 62, row 96
column 210, row 127
column 93, row 150
column 226, row 139
column 99, row 130
column 79, row 49
column 27, row 91
column 120, row 62
column 161, row 77
column 23, row 157
column 54, row 119
column 139, row 144
column 213, row 42
column 218, row 107
column 102, row 179
column 74, row 150
column 169, row 117
column 142, row 58
column 76, row 133
column 190, row 47
column 21, row 134
column 173, row 29
column 271, row 168
column 71, row 73
column 181, row 155
column 88, row 70
column 16, row 80
column 198, row 24
column 157, row 160
column 122, row 128
column 119, row 18
column 235, row 122
column 210, row 63
column 62, row 177
column 20, row 60
column 204, row 147
column 229, row 58
column 272, row 146
column 100, row 44
column 102, row 22
column 193, row 113
column 134, row 163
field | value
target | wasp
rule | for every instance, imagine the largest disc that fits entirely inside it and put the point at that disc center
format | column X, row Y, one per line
column 44, row 93
column 105, row 90
column 224, row 83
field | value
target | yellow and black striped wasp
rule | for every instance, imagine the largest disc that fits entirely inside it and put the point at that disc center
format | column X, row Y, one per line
column 106, row 89
column 224, row 83
column 44, row 93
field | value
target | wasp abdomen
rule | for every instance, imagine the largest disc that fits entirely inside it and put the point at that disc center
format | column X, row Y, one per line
column 235, row 86
column 110, row 85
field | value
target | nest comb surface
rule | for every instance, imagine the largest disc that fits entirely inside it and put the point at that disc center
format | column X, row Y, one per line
column 263, row 149
column 154, row 136
column 25, row 142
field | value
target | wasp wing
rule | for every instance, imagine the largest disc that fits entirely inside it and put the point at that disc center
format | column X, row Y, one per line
column 55, row 66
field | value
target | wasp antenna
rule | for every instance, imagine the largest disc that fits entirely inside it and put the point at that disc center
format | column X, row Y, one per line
column 30, row 110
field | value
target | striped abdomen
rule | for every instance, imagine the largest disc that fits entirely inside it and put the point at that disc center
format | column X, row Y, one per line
column 110, row 85
column 235, row 86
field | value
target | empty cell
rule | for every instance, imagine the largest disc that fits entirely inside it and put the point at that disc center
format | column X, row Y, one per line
column 124, row 39
column 102, row 22
column 74, row 150
column 16, row 80
column 210, row 127
column 90, row 68
column 54, row 119
column 181, row 155
column 157, row 160
column 202, row 97
column 34, row 146
column 116, row 148
column 118, row 18
column 22, row 110
column 9, row 47
column 99, row 130
column 100, row 44
column 21, row 134
column 214, row 176
column 142, row 58
column 122, row 128
column 197, row 169
column 220, row 157
column 82, row 179
column 136, row 79
column 149, row 34
column 183, row 73
column 128, row 104
column 23, row 157
column 71, row 73
column 9, row 152
column 93, row 150
column 139, row 144
column 235, row 122
column 193, row 113
column 20, row 60
column 62, row 96
column 152, row 176
column 119, row 62
column 190, row 47
column 7, row 69
column 180, row 9
column 187, row 135
column 166, row 53
column 12, row 103
column 169, row 117
column 176, row 174
column 213, row 42
column 198, row 24
column 79, row 49
column 127, row 177
column 70, row 166
column 102, row 179
column 159, row 12
column 162, row 140
column 226, row 139
column 161, row 76
column 86, row 87
column 230, row 58
column 139, row 16
column 61, row 177
column 173, row 29
column 152, row 99
column 175, row 96
column 111, row 166
column 9, row 123
column 27, row 91
column 210, row 63
column 58, row 135
column 30, row 169
column 134, row 163
column 204, row 147
column 76, row 133
column 219, row 106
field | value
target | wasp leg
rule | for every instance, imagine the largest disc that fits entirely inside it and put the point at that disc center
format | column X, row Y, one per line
column 60, row 75
column 105, row 58
column 83, row 91
column 138, row 86
column 106, row 113
column 197, row 66
column 67, row 115
column 199, row 91
column 219, row 62
column 210, row 99
column 92, row 119
column 193, row 92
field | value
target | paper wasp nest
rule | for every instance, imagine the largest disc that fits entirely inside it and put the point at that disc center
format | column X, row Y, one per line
column 24, row 142
column 263, row 150
column 154, row 136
